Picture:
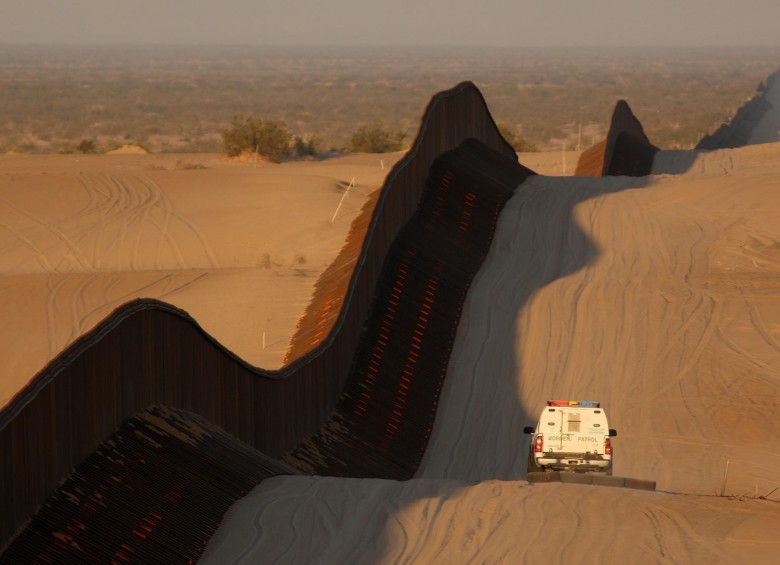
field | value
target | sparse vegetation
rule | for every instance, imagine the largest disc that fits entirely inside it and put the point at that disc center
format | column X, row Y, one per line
column 302, row 148
column 375, row 138
column 85, row 146
column 515, row 140
column 181, row 99
column 188, row 165
column 250, row 134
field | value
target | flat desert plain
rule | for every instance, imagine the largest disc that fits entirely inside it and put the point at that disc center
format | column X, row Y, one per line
column 658, row 296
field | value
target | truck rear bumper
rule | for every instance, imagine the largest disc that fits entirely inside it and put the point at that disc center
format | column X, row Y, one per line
column 583, row 461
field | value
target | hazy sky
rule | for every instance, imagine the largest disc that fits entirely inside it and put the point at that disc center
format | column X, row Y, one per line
column 393, row 22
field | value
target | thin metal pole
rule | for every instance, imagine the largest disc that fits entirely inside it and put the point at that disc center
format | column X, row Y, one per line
column 333, row 219
column 564, row 159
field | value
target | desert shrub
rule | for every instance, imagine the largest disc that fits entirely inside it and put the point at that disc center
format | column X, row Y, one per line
column 515, row 140
column 187, row 165
column 303, row 148
column 87, row 146
column 252, row 134
column 375, row 138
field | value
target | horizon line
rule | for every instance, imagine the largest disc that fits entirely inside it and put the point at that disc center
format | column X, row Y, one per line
column 380, row 45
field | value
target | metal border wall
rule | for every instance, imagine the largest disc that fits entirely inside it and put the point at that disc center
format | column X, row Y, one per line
column 383, row 423
column 154, row 493
column 626, row 151
column 148, row 352
column 737, row 131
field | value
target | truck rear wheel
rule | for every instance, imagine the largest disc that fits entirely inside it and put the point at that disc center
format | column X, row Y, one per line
column 532, row 466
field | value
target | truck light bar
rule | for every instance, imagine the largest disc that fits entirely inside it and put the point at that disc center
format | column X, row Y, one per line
column 573, row 403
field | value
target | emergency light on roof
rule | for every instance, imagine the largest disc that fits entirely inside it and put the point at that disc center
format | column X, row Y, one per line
column 573, row 403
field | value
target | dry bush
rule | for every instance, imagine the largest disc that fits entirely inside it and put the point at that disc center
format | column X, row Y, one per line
column 516, row 140
column 252, row 134
column 375, row 138
column 187, row 165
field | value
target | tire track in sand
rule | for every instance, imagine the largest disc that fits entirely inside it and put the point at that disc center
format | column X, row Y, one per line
column 167, row 281
column 52, row 319
column 677, row 539
column 170, row 211
column 74, row 249
column 75, row 302
column 141, row 215
column 40, row 256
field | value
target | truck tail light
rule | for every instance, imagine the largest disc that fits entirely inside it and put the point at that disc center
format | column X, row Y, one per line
column 607, row 446
column 538, row 444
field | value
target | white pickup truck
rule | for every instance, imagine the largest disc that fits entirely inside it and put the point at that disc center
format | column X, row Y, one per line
column 571, row 435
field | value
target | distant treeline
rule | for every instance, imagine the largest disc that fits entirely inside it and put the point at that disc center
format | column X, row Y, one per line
column 180, row 99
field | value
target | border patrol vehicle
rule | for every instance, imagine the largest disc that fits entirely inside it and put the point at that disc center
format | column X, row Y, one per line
column 571, row 435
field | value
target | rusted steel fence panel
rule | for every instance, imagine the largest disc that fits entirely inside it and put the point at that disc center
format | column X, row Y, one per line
column 591, row 161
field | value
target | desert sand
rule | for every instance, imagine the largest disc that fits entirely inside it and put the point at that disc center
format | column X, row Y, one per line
column 328, row 520
column 237, row 245
column 551, row 163
column 658, row 296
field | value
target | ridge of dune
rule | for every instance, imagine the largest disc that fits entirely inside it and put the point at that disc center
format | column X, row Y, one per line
column 128, row 149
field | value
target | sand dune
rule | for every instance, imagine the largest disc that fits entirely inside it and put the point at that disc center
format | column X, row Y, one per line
column 651, row 295
column 658, row 296
column 81, row 235
column 327, row 520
